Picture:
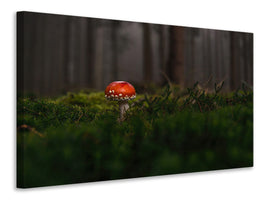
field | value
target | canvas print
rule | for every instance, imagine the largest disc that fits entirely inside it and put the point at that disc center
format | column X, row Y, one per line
column 101, row 99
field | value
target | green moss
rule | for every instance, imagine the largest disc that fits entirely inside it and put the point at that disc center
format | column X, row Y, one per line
column 77, row 137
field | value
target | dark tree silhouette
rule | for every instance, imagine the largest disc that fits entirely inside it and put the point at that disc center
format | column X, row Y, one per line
column 176, row 59
column 147, row 53
column 114, row 51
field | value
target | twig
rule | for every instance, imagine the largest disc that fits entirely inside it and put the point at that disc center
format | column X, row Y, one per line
column 168, row 80
column 208, row 81
column 199, row 106
column 36, row 113
column 31, row 111
column 77, row 121
column 33, row 130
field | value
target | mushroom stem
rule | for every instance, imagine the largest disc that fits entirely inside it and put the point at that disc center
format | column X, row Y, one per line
column 123, row 108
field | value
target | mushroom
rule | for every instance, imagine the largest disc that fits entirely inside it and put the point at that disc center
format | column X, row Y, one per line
column 120, row 91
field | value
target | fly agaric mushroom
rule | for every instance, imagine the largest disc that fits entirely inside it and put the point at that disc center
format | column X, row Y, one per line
column 120, row 91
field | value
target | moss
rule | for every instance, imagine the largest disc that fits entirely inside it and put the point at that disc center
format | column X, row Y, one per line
column 77, row 137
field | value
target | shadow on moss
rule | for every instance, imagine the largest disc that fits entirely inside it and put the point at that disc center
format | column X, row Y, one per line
column 81, row 139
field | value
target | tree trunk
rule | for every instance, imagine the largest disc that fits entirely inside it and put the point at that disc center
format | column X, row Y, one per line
column 234, row 61
column 176, row 59
column 162, row 50
column 114, row 50
column 147, row 53
column 90, row 52
column 99, row 62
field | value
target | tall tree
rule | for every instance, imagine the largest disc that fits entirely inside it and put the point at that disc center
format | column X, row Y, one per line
column 90, row 49
column 162, row 50
column 147, row 53
column 114, row 50
column 99, row 57
column 176, row 55
column 234, row 72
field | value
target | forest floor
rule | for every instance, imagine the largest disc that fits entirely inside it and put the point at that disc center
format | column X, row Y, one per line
column 77, row 138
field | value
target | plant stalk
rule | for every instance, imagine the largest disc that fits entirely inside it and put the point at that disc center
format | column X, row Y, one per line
column 123, row 108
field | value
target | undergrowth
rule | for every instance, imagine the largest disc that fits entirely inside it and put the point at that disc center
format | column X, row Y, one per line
column 77, row 137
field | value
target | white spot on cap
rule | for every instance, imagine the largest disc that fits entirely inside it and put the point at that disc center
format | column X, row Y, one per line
column 120, row 95
column 110, row 91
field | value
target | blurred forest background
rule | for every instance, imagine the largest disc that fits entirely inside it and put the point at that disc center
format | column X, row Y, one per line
column 57, row 53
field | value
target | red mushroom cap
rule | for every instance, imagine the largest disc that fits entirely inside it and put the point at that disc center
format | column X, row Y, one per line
column 120, row 91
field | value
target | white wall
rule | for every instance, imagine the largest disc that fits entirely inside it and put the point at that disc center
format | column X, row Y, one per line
column 229, row 15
